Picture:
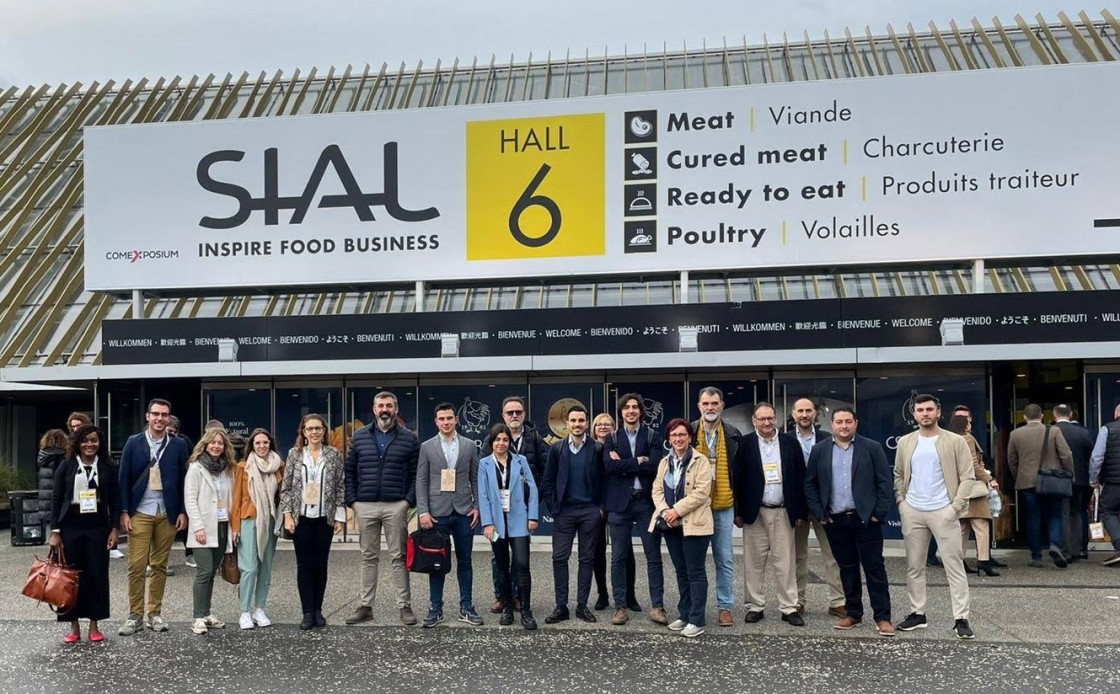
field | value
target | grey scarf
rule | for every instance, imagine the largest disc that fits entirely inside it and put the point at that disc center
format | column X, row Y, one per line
column 215, row 466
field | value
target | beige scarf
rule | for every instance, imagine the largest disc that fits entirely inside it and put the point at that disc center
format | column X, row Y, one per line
column 262, row 492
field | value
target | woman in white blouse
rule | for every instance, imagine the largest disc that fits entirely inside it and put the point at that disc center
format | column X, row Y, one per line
column 207, row 496
column 312, row 504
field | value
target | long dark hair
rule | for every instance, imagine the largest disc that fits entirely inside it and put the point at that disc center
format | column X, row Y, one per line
column 958, row 424
column 73, row 448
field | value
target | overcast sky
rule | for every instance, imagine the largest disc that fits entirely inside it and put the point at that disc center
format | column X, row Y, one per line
column 62, row 41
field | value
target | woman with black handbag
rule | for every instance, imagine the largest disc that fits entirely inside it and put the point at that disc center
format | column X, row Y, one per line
column 207, row 496
column 682, row 512
column 508, row 507
column 84, row 507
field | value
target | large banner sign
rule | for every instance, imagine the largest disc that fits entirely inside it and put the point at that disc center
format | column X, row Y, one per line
column 1011, row 163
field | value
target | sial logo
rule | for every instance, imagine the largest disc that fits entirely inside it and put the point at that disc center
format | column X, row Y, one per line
column 272, row 202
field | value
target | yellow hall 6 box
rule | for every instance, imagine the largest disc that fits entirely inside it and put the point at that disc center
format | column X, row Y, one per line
column 535, row 187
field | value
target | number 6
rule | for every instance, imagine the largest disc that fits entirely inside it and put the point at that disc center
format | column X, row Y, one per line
column 528, row 200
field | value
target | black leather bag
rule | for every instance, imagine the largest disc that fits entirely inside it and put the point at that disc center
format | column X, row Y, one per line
column 1056, row 482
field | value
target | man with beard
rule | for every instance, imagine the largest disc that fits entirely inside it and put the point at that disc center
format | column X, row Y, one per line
column 808, row 435
column 380, row 475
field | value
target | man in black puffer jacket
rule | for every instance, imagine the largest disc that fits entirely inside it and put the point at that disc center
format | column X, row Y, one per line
column 380, row 488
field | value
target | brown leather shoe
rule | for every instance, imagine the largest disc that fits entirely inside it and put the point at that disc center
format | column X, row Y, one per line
column 621, row 616
column 838, row 611
column 725, row 618
column 497, row 607
column 885, row 628
column 847, row 622
column 657, row 616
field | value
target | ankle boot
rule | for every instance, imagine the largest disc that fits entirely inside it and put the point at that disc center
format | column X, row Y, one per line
column 986, row 568
column 968, row 568
column 997, row 563
column 507, row 615
column 527, row 619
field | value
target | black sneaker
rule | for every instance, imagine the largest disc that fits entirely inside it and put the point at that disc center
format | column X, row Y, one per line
column 914, row 621
column 434, row 617
column 1057, row 557
column 961, row 628
column 1112, row 561
column 470, row 616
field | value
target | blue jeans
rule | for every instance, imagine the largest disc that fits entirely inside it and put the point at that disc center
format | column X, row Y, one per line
column 724, row 555
column 689, row 555
column 1036, row 510
column 462, row 536
column 638, row 511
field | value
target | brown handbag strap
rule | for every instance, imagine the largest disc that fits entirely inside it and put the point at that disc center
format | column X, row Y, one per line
column 57, row 555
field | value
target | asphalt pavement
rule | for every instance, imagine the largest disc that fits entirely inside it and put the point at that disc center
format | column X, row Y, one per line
column 1037, row 630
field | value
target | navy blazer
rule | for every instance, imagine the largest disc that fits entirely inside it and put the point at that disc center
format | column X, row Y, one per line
column 1081, row 444
column 872, row 486
column 748, row 481
column 108, row 492
column 621, row 472
column 135, row 459
column 555, row 480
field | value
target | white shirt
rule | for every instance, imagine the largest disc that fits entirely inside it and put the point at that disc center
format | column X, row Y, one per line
column 771, row 454
column 450, row 450
column 927, row 490
column 82, row 482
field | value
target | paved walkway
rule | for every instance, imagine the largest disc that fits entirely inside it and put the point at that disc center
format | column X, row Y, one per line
column 1037, row 630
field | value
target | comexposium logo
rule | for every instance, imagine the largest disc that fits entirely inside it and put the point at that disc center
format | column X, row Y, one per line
column 137, row 254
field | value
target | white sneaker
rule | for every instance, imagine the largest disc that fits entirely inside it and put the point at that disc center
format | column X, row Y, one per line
column 692, row 631
column 213, row 622
column 156, row 623
column 261, row 618
column 199, row 626
column 130, row 626
column 246, row 621
column 116, row 554
column 678, row 625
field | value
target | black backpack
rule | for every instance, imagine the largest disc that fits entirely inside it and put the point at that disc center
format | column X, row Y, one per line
column 428, row 552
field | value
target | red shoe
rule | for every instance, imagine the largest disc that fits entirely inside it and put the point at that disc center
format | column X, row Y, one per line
column 72, row 638
column 97, row 637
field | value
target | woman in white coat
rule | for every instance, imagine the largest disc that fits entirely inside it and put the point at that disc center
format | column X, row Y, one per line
column 208, row 492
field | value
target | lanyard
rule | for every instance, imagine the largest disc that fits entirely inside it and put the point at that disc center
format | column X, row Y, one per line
column 503, row 474
column 159, row 451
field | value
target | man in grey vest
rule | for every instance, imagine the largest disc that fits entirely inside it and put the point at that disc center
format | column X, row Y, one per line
column 1104, row 474
column 447, row 498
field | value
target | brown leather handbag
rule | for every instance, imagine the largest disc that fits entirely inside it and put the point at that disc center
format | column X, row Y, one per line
column 230, row 571
column 53, row 582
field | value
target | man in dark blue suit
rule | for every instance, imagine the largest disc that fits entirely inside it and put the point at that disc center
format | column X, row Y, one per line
column 1077, row 518
column 848, row 487
column 630, row 458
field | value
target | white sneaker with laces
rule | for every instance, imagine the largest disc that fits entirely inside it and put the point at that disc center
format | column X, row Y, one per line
column 692, row 631
column 213, row 622
column 246, row 621
column 677, row 625
column 199, row 626
column 261, row 618
column 116, row 554
column 156, row 623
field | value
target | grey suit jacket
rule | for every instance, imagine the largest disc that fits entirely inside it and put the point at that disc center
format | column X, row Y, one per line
column 429, row 467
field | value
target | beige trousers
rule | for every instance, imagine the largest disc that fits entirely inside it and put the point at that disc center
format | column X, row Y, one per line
column 981, row 527
column 372, row 516
column 831, row 568
column 770, row 540
column 917, row 527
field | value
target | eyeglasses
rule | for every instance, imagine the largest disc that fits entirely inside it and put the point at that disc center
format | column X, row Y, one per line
column 679, row 435
column 164, row 415
column 514, row 413
column 312, row 429
column 765, row 419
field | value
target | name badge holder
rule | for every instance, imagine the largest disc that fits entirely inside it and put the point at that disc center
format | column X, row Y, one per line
column 770, row 471
column 223, row 510
column 504, row 495
column 447, row 480
column 87, row 500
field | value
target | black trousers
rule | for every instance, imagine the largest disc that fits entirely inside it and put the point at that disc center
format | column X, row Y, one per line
column 85, row 540
column 1077, row 520
column 854, row 544
column 511, row 557
column 584, row 521
column 312, row 540
column 601, row 583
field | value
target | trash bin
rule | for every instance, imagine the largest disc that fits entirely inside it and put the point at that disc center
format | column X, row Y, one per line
column 27, row 527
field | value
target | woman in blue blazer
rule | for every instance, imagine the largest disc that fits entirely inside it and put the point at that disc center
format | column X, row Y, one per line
column 507, row 501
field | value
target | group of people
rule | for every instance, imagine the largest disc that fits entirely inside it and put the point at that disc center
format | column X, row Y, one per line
column 689, row 488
